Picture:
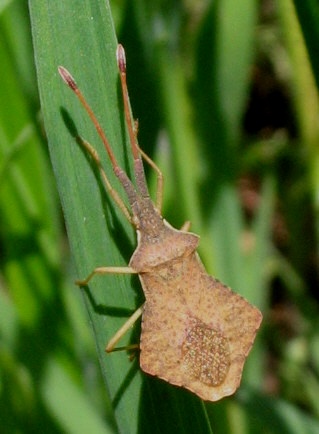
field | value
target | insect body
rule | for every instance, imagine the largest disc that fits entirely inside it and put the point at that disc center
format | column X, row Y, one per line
column 196, row 332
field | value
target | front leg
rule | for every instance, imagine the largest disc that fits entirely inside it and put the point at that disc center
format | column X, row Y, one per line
column 106, row 270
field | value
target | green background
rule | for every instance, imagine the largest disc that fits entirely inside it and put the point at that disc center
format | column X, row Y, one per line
column 226, row 97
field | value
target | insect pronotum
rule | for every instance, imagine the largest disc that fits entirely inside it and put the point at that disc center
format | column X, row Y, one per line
column 196, row 332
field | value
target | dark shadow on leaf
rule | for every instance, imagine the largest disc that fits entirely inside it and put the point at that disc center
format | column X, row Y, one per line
column 126, row 381
column 180, row 407
column 112, row 311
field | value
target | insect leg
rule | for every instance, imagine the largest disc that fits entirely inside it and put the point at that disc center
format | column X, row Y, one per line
column 121, row 332
column 186, row 226
column 106, row 270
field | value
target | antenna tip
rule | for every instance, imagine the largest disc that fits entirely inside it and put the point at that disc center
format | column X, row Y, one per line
column 67, row 77
column 121, row 60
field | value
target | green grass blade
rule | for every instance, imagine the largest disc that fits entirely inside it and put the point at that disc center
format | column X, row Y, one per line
column 189, row 67
column 308, row 16
column 301, row 31
column 98, row 233
column 58, row 390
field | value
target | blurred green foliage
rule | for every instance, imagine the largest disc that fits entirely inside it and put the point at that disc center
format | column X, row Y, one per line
column 226, row 98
